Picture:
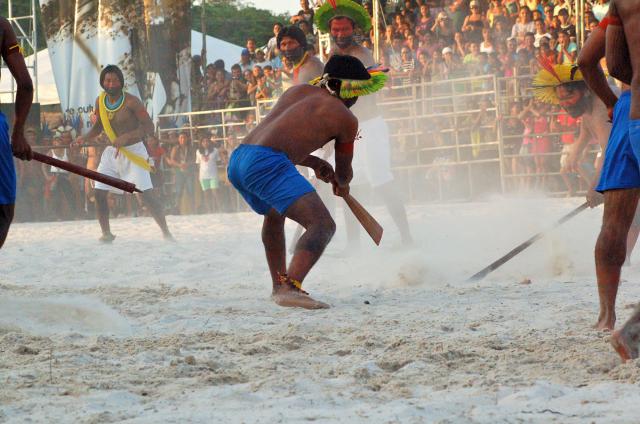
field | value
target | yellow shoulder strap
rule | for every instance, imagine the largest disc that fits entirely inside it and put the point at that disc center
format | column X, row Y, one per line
column 106, row 126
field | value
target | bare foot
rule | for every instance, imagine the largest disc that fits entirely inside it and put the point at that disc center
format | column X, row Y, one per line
column 606, row 322
column 292, row 299
column 107, row 238
column 625, row 342
column 168, row 237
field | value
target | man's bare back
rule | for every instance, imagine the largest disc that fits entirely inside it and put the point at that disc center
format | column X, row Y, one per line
column 628, row 11
column 288, row 127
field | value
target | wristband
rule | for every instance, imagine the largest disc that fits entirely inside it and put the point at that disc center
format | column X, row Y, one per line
column 614, row 20
column 346, row 148
column 604, row 23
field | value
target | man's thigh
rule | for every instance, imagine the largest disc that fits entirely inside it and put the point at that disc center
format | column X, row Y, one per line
column 620, row 207
column 6, row 216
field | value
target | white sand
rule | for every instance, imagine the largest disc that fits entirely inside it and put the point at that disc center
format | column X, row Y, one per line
column 145, row 331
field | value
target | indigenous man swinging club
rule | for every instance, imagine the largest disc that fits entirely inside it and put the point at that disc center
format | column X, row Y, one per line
column 620, row 176
column 18, row 147
column 125, row 121
column 263, row 169
column 622, row 50
column 372, row 155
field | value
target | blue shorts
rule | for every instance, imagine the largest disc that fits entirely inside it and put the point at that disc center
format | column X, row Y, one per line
column 7, row 167
column 266, row 178
column 621, row 167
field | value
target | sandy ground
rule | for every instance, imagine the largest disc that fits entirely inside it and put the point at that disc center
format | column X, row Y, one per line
column 144, row 331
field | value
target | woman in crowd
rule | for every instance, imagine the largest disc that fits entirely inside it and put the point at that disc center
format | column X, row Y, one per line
column 473, row 23
column 207, row 159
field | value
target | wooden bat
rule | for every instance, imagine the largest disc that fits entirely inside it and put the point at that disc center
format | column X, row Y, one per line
column 495, row 265
column 366, row 220
column 88, row 173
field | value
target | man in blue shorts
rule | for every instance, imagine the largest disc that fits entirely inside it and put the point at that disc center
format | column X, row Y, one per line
column 263, row 169
column 18, row 146
column 620, row 175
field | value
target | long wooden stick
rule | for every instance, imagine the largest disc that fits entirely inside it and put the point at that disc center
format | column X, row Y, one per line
column 367, row 221
column 88, row 173
column 495, row 265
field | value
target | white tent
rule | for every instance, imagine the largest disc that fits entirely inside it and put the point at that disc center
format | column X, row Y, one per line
column 48, row 93
column 216, row 49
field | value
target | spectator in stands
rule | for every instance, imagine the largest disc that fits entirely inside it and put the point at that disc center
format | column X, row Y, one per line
column 305, row 13
column 182, row 159
column 437, row 68
column 567, row 49
column 547, row 16
column 473, row 23
column 528, row 47
column 473, row 57
column 523, row 25
column 457, row 11
column 307, row 30
column 568, row 125
column 487, row 45
column 443, row 29
column 451, row 67
column 496, row 10
column 501, row 31
column 547, row 51
column 251, row 47
column 156, row 159
column 237, row 89
column 272, row 44
column 207, row 159
column 561, row 4
column 245, row 60
column 512, row 7
column 423, row 68
column 459, row 45
column 273, row 80
column 264, row 89
column 218, row 91
column 565, row 23
column 424, row 21
column 541, row 32
column 261, row 59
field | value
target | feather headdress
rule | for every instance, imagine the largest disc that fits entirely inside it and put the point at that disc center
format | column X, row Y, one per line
column 342, row 8
column 551, row 76
column 356, row 87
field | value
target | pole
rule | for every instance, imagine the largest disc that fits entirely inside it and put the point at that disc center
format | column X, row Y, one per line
column 88, row 173
column 376, row 30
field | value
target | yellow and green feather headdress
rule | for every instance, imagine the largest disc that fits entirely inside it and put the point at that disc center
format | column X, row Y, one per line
column 342, row 8
column 551, row 76
column 356, row 87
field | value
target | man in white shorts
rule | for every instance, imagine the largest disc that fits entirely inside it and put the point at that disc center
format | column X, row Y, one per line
column 372, row 155
column 126, row 123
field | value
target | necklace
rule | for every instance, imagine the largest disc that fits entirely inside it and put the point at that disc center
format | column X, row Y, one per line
column 296, row 68
column 112, row 108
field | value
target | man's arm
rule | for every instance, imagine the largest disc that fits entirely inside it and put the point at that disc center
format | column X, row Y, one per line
column 12, row 56
column 95, row 130
column 145, row 124
column 617, row 50
column 344, row 154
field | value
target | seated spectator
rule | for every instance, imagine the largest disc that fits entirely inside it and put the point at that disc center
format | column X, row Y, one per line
column 501, row 31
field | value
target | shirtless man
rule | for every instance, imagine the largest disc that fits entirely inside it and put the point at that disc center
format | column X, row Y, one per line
column 373, row 153
column 262, row 169
column 621, row 51
column 619, row 179
column 18, row 146
column 126, row 122
column 303, row 67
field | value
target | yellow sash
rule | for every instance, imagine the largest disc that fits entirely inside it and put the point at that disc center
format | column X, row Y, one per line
column 106, row 125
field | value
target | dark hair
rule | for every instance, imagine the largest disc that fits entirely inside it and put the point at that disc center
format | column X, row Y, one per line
column 111, row 69
column 219, row 63
column 236, row 66
column 292, row 32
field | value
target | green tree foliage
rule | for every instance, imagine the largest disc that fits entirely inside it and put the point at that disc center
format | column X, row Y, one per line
column 234, row 22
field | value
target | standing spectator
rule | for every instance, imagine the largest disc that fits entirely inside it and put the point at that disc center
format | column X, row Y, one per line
column 487, row 45
column 264, row 89
column 423, row 71
column 58, row 193
column 451, row 66
column 541, row 32
column 496, row 10
column 182, row 160
column 424, row 21
column 261, row 59
column 252, row 83
column 251, row 47
column 457, row 11
column 306, row 13
column 512, row 7
column 272, row 44
column 459, row 47
column 561, row 4
column 523, row 25
column 307, row 30
column 207, row 159
column 273, row 80
column 568, row 125
column 547, row 16
column 156, row 160
column 473, row 24
column 218, row 91
column 501, row 31
column 567, row 49
column 443, row 29
column 245, row 60
column 512, row 129
column 547, row 52
column 237, row 89
column 565, row 23
column 219, row 64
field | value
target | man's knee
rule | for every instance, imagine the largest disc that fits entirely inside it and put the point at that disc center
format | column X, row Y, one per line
column 611, row 246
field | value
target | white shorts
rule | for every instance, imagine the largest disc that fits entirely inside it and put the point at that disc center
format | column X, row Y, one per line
column 566, row 149
column 372, row 154
column 116, row 165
